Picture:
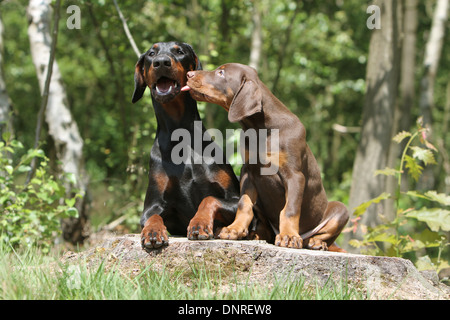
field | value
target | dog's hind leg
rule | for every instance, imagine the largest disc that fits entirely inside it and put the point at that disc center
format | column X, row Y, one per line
column 323, row 237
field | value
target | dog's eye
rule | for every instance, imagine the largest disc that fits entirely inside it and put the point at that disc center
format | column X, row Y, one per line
column 221, row 73
column 152, row 53
column 179, row 51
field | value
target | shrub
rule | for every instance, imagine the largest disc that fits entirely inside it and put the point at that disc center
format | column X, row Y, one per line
column 30, row 213
column 398, row 240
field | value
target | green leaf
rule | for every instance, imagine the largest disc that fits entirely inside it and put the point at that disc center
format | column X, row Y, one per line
column 387, row 172
column 72, row 212
column 435, row 218
column 423, row 154
column 442, row 198
column 432, row 196
column 6, row 135
column 8, row 149
column 23, row 168
column 9, row 169
column 70, row 202
column 429, row 238
column 359, row 210
column 413, row 246
column 17, row 144
column 72, row 178
column 355, row 243
column 416, row 194
column 383, row 237
column 414, row 169
column 401, row 136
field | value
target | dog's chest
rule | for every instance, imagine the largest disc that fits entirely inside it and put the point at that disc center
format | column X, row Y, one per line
column 269, row 187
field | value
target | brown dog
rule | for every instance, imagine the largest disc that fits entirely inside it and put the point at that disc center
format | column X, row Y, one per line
column 292, row 202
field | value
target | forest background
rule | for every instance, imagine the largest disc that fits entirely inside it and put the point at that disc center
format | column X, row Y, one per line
column 353, row 86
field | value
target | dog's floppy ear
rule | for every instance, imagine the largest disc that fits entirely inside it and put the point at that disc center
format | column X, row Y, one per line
column 198, row 65
column 139, row 81
column 246, row 102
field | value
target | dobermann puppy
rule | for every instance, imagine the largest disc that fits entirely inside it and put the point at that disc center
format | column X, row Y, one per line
column 187, row 195
column 292, row 201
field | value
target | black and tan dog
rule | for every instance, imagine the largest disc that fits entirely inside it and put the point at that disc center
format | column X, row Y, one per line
column 292, row 201
column 185, row 195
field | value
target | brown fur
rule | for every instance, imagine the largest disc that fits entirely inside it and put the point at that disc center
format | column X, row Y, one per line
column 291, row 202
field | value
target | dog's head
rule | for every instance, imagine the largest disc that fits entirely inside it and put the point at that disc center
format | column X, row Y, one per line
column 163, row 69
column 233, row 86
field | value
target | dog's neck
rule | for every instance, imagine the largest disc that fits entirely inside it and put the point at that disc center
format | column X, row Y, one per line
column 179, row 113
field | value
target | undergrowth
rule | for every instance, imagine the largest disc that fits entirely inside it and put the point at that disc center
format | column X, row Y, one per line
column 29, row 275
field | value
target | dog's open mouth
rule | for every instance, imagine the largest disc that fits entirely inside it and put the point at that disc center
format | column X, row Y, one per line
column 165, row 86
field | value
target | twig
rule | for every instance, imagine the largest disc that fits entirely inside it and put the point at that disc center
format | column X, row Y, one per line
column 127, row 31
column 46, row 90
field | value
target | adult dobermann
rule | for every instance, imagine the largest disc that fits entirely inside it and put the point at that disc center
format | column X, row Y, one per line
column 187, row 195
column 292, row 201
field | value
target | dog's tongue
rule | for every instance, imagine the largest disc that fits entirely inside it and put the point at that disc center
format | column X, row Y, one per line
column 165, row 85
column 185, row 88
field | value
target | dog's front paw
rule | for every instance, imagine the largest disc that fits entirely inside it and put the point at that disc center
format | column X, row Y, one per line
column 289, row 241
column 154, row 233
column 199, row 229
column 233, row 233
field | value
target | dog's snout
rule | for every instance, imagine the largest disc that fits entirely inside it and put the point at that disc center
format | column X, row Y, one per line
column 190, row 74
column 164, row 61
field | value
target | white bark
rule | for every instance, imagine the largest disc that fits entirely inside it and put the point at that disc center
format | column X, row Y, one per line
column 433, row 52
column 62, row 127
column 432, row 56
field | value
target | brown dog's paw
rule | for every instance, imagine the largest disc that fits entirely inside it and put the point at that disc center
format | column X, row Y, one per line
column 289, row 241
column 316, row 244
column 154, row 233
column 231, row 233
column 199, row 229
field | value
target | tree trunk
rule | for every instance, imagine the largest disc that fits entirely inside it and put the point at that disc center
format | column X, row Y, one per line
column 62, row 127
column 5, row 102
column 443, row 145
column 408, row 64
column 256, row 47
column 378, row 112
column 431, row 61
column 402, row 119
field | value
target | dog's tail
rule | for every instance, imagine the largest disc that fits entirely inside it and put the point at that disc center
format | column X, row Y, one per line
column 333, row 247
column 312, row 232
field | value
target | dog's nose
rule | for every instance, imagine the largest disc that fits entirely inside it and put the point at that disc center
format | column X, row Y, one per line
column 190, row 74
column 162, row 61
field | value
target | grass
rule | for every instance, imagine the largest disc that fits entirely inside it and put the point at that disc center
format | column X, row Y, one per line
column 30, row 275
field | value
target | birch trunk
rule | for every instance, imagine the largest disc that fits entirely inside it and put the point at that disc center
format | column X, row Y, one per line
column 433, row 51
column 431, row 61
column 62, row 127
